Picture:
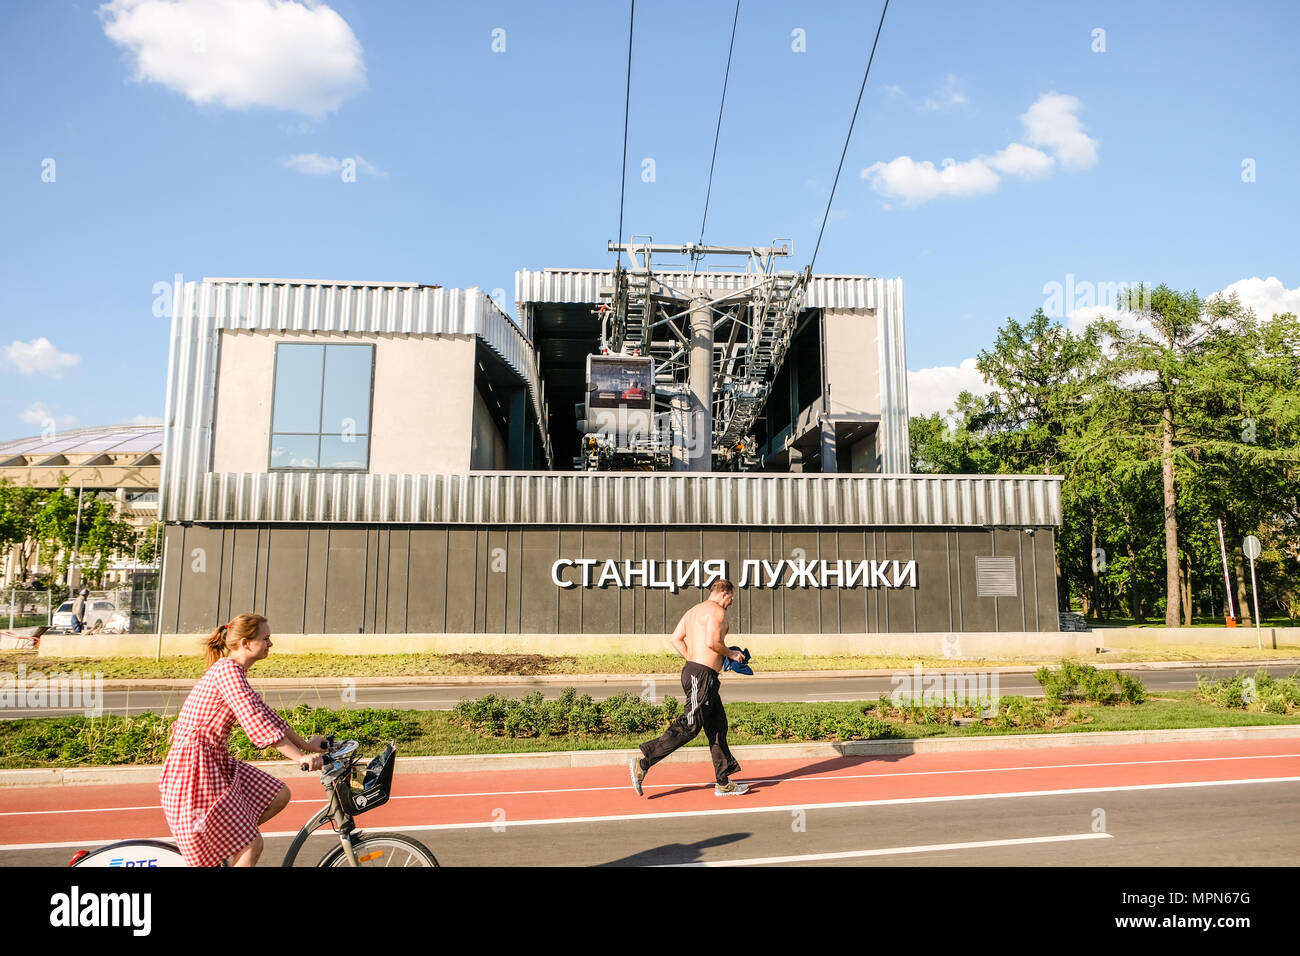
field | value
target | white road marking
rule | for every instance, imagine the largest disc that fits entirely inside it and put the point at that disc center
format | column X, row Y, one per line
column 677, row 814
column 706, row 786
column 891, row 851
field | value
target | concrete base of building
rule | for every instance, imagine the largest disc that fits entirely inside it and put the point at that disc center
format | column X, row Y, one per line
column 1267, row 637
column 1005, row 645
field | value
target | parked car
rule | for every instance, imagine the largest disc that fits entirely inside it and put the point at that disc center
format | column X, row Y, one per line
column 98, row 612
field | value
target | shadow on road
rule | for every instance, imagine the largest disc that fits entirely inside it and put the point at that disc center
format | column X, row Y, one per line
column 676, row 853
column 811, row 770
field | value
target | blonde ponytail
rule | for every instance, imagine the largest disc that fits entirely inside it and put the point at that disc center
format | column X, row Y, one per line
column 227, row 637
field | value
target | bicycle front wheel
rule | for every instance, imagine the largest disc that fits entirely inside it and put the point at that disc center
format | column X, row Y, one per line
column 383, row 849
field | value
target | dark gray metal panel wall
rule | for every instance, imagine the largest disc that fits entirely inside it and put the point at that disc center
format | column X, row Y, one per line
column 286, row 577
column 462, row 579
column 539, row 599
column 760, row 603
column 1045, row 577
column 399, row 571
column 318, row 554
column 978, row 614
column 1011, row 616
column 934, row 605
column 427, row 582
column 853, row 603
column 173, row 559
column 345, row 582
column 348, row 580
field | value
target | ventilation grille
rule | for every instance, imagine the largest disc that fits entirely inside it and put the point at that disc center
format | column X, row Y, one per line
column 995, row 577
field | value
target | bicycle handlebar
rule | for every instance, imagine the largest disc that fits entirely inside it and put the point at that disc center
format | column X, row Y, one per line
column 328, row 744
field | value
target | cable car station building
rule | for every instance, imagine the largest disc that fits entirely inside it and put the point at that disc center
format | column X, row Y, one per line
column 395, row 466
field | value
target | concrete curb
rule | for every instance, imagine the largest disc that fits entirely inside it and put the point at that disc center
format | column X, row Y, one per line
column 116, row 776
column 149, row 683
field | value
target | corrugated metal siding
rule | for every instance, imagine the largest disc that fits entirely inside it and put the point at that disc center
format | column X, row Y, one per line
column 896, row 455
column 620, row 500
column 583, row 285
column 204, row 309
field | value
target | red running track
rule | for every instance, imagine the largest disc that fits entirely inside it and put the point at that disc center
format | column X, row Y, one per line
column 99, row 814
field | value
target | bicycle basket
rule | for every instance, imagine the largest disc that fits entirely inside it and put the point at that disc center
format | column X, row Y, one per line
column 377, row 783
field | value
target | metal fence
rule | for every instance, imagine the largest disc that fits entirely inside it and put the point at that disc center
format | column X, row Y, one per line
column 27, row 608
column 134, row 608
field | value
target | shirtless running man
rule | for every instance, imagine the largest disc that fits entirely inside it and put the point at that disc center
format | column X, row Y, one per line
column 700, row 638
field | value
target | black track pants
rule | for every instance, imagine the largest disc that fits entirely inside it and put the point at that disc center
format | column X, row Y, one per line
column 703, row 712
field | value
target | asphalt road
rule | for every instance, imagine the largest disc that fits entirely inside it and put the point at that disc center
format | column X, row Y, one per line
column 1174, row 804
column 339, row 693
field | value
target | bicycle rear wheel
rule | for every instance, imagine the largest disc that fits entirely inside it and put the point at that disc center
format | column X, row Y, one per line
column 383, row 849
column 130, row 853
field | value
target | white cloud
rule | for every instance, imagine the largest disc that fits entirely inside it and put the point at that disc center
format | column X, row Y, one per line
column 278, row 54
column 314, row 164
column 38, row 414
column 906, row 179
column 931, row 390
column 1050, row 122
column 1020, row 160
column 949, row 96
column 39, row 356
column 144, row 420
column 1268, row 297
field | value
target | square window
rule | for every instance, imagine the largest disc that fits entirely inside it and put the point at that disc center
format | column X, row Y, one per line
column 320, row 415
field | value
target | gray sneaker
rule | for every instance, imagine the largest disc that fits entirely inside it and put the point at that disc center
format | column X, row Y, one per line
column 730, row 790
column 638, row 775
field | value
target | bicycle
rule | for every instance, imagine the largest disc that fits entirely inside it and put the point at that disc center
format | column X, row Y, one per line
column 355, row 848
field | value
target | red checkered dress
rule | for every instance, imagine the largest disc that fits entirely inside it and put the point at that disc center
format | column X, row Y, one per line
column 211, row 800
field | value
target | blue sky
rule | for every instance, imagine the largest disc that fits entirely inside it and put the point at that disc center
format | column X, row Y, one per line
column 182, row 143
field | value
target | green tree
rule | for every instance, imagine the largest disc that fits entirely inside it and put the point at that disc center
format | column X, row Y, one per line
column 98, row 535
column 19, row 506
column 149, row 545
column 1162, row 403
column 1042, row 374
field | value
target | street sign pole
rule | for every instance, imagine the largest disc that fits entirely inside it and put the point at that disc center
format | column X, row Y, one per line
column 1252, row 548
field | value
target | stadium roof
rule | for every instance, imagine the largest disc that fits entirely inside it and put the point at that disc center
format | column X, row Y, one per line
column 115, row 440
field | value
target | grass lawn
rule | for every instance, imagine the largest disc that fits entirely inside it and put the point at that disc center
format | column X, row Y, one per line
column 1136, row 650
column 443, row 665
column 1280, row 620
column 436, row 735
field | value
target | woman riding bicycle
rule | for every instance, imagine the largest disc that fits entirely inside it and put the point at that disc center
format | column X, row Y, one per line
column 213, row 802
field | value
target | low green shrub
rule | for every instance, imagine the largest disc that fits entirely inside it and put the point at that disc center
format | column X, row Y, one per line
column 531, row 716
column 144, row 738
column 819, row 724
column 1262, row 693
column 1076, row 681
